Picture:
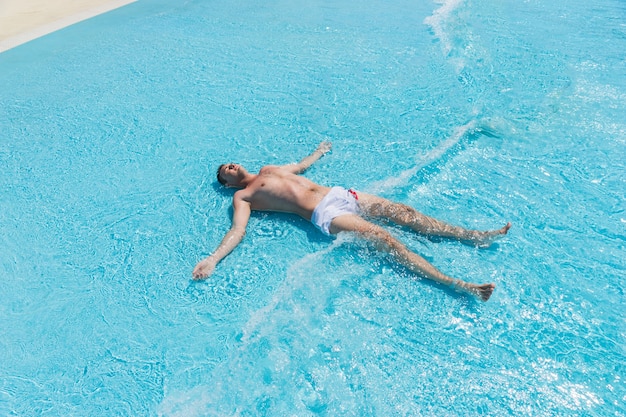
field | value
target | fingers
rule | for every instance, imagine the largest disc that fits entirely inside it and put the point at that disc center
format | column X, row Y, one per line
column 197, row 275
column 202, row 270
column 325, row 146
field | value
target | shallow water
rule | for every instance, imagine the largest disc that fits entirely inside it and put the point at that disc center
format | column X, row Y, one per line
column 477, row 113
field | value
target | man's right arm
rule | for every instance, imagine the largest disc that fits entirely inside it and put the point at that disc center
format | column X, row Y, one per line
column 307, row 161
column 241, row 215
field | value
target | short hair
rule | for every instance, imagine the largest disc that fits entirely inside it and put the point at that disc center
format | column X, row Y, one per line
column 220, row 179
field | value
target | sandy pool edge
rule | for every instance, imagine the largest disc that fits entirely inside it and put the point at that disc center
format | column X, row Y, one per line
column 32, row 19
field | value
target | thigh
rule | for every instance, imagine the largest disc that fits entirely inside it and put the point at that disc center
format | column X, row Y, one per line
column 375, row 206
column 382, row 239
column 353, row 223
column 399, row 213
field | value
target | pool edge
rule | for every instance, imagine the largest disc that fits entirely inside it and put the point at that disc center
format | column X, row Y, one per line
column 47, row 28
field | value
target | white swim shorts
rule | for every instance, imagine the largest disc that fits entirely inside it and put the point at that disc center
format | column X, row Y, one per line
column 338, row 201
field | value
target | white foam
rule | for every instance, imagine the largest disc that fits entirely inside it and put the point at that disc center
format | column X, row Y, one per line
column 437, row 22
column 293, row 281
column 422, row 161
column 192, row 403
column 216, row 396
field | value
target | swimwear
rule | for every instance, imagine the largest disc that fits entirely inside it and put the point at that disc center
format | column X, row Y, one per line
column 338, row 201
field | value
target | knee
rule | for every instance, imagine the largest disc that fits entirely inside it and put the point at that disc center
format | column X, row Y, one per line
column 381, row 237
column 390, row 210
column 402, row 213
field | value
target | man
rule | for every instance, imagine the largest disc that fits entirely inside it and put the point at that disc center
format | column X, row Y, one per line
column 334, row 210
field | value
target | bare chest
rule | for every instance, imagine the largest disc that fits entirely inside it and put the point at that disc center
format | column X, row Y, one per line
column 285, row 193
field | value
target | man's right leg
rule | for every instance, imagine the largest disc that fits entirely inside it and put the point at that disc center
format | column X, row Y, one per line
column 383, row 241
column 404, row 215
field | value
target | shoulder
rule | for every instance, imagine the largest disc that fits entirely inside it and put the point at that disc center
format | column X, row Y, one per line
column 241, row 199
column 267, row 169
column 241, row 196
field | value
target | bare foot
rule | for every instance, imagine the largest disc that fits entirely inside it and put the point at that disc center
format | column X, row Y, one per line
column 485, row 239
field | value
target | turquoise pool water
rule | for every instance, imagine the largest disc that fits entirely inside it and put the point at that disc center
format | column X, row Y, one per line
column 474, row 112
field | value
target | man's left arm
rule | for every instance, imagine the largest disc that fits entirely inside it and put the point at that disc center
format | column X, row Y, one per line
column 306, row 162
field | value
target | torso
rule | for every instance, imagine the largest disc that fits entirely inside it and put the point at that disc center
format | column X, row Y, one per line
column 276, row 189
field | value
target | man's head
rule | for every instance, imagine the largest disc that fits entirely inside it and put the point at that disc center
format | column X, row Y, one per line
column 230, row 175
column 219, row 171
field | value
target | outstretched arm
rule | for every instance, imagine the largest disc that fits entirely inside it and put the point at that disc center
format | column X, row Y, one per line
column 306, row 162
column 205, row 267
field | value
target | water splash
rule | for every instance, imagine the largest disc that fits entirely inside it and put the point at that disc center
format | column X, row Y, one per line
column 489, row 127
column 295, row 279
column 272, row 345
column 423, row 161
column 438, row 20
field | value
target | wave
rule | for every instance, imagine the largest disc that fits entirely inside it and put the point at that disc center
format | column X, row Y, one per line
column 272, row 345
column 437, row 22
column 422, row 162
column 462, row 135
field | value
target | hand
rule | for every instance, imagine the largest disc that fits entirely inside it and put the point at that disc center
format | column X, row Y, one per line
column 204, row 268
column 324, row 147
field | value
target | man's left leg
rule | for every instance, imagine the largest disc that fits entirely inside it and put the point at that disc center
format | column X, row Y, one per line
column 383, row 241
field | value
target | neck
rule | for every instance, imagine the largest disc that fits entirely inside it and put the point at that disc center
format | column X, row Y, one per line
column 246, row 180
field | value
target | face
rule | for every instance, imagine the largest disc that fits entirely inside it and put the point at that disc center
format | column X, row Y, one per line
column 230, row 173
